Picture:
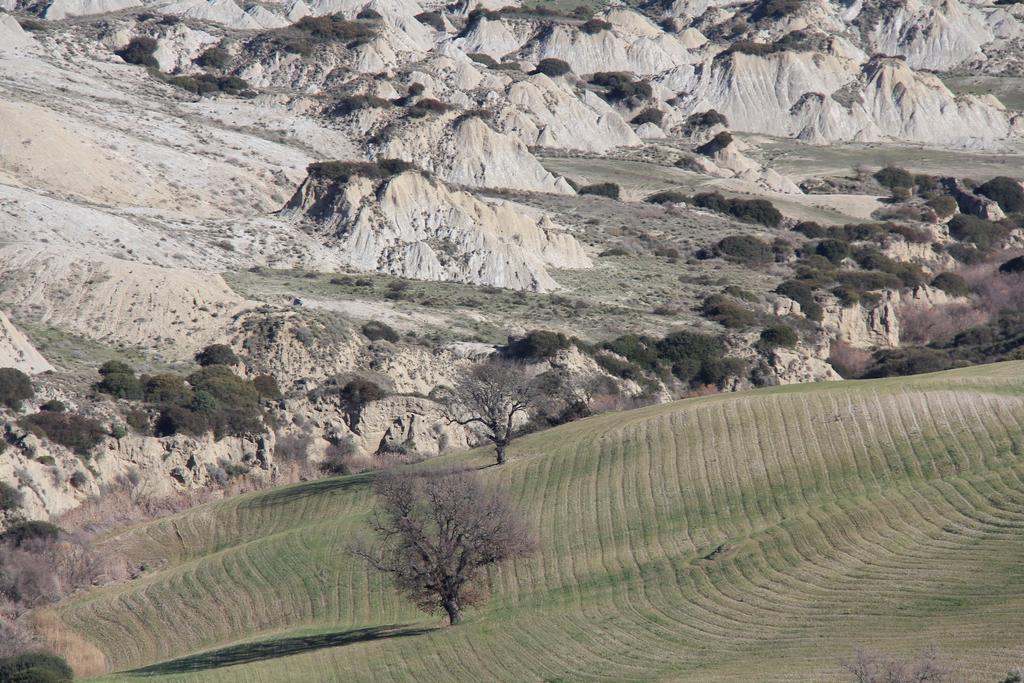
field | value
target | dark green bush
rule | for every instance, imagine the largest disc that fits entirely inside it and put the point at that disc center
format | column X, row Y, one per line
column 810, row 229
column 910, row 361
column 610, row 190
column 953, row 284
column 1006, row 192
column 77, row 433
column 981, row 233
column 35, row 667
column 217, row 354
column 803, row 295
column 267, row 387
column 15, row 387
column 54, row 406
column 775, row 9
column 745, row 249
column 485, row 59
column 342, row 171
column 139, row 51
column 355, row 396
column 549, row 66
column 834, row 250
column 227, row 388
column 215, row 57
column 432, row 19
column 620, row 86
column 353, row 103
column 427, row 106
column 747, row 210
column 1014, row 265
column 593, row 26
column 10, row 498
column 649, row 115
column 375, row 330
column 716, row 144
column 726, row 312
column 166, row 388
column 29, row 530
column 706, row 119
column 537, row 345
column 893, row 177
column 667, row 197
column 943, row 205
column 777, row 335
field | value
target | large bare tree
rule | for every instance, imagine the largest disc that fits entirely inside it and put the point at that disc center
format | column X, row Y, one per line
column 491, row 395
column 439, row 530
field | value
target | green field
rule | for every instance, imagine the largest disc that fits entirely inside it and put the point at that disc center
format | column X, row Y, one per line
column 754, row 536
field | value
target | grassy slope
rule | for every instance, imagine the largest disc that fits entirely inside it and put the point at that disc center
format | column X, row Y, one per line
column 765, row 533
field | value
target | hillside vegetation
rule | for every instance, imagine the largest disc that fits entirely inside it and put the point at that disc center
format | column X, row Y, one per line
column 753, row 536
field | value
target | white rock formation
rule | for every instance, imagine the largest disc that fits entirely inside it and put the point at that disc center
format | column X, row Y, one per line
column 930, row 34
column 17, row 352
column 467, row 151
column 11, row 34
column 63, row 9
column 418, row 228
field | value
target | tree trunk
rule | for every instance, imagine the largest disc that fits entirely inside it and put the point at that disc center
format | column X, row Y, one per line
column 452, row 608
column 499, row 449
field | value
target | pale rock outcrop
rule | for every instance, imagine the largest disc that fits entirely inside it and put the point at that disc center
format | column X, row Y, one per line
column 64, row 9
column 179, row 45
column 970, row 203
column 866, row 328
column 224, row 12
column 174, row 311
column 494, row 38
column 607, row 50
column 408, row 423
column 930, row 34
column 730, row 162
column 416, row 227
column 17, row 352
column 799, row 366
column 546, row 113
column 12, row 35
column 467, row 151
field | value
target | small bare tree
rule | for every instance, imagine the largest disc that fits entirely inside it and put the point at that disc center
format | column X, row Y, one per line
column 491, row 395
column 870, row 666
column 439, row 530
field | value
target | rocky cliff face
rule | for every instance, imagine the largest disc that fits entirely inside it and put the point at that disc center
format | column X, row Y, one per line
column 17, row 352
column 417, row 227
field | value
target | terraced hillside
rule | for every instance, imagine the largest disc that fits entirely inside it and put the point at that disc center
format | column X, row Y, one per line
column 756, row 536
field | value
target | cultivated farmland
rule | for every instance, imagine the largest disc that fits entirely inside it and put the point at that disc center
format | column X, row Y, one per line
column 757, row 536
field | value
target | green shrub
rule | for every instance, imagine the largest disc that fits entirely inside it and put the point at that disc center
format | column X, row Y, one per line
column 375, row 330
column 618, row 367
column 726, row 312
column 215, row 57
column 747, row 210
column 834, row 250
column 777, row 335
column 355, row 396
column 353, row 103
column 892, row 177
column 10, row 498
column 803, row 295
column 119, row 384
column 910, row 361
column 1014, row 265
column 549, row 66
column 267, row 387
column 537, row 345
column 30, row 530
column 77, row 433
column 139, row 51
column 745, row 249
column 775, row 9
column 667, row 197
column 953, row 284
column 706, row 119
column 716, row 144
column 15, row 387
column 610, row 190
column 217, row 354
column 981, row 233
column 810, row 229
column 35, row 667
column 594, row 26
column 166, row 388
column 620, row 86
column 432, row 19
column 692, row 356
column 342, row 171
column 226, row 388
column 944, row 206
column 649, row 115
column 1006, row 192
column 307, row 33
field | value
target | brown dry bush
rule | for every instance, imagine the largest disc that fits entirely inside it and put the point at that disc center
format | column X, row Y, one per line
column 848, row 361
column 923, row 324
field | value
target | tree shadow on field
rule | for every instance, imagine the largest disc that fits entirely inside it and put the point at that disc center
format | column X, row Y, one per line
column 271, row 649
column 291, row 494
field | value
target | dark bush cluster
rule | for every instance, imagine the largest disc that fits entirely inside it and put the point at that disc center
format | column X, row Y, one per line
column 745, row 249
column 550, row 66
column 217, row 354
column 353, row 103
column 610, row 190
column 1006, row 192
column 15, row 387
column 983, row 234
column 693, row 358
column 305, row 35
column 715, row 144
column 215, row 57
column 893, row 177
column 376, row 330
column 140, row 50
column 342, row 171
column 537, row 345
column 428, row 106
column 952, row 284
column 747, row 210
column 208, row 84
column 77, row 433
column 10, row 498
column 620, row 86
column 593, row 26
column 775, row 9
column 726, row 312
column 803, row 294
column 432, row 19
column 35, row 667
column 649, row 115
column 667, row 197
column 778, row 335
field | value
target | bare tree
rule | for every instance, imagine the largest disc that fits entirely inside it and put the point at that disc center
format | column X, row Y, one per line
column 491, row 395
column 870, row 666
column 439, row 530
